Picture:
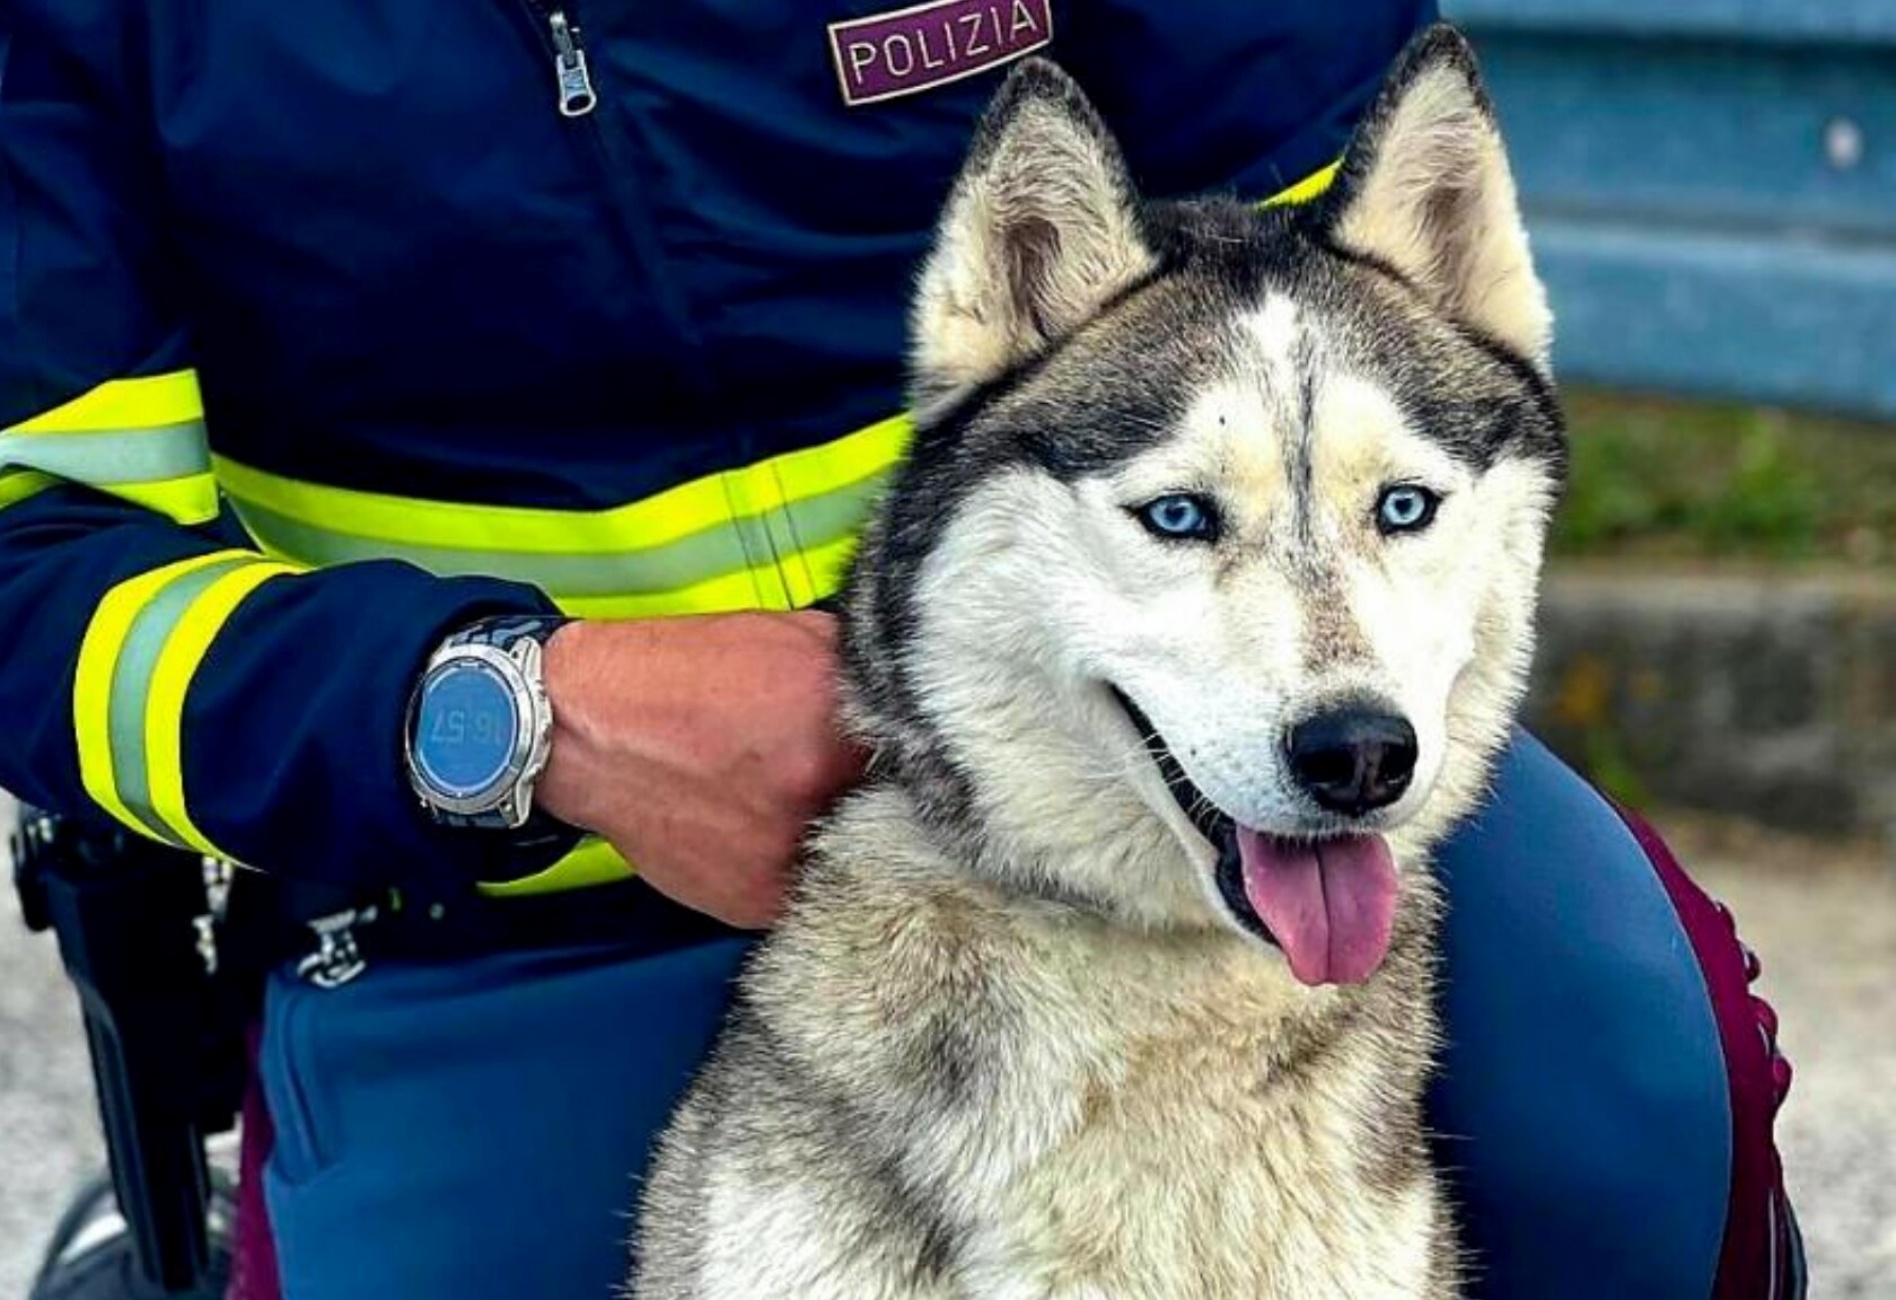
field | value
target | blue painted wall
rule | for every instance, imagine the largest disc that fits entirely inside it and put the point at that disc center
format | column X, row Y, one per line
column 1711, row 185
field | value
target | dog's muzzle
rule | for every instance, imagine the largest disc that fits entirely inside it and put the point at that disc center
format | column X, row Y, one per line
column 1218, row 828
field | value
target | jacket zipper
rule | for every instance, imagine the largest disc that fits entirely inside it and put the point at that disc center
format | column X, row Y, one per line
column 577, row 97
column 572, row 75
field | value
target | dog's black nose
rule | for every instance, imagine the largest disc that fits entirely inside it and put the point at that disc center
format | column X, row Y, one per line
column 1354, row 759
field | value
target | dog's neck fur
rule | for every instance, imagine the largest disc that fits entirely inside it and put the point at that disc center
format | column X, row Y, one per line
column 1072, row 1037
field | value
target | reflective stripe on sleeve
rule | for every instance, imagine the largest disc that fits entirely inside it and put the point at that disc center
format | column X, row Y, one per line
column 774, row 535
column 185, row 646
column 140, row 651
column 139, row 439
column 19, row 484
column 594, row 862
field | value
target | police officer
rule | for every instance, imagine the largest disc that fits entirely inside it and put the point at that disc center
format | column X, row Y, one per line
column 349, row 350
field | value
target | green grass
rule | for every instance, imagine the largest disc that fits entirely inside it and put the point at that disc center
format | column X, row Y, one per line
column 1662, row 479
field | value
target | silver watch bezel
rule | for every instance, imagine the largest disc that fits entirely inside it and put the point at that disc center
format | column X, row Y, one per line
column 509, row 797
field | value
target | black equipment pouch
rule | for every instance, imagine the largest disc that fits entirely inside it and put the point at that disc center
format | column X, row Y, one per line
column 166, row 998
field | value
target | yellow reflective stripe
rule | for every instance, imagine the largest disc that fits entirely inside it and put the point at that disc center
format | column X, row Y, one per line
column 99, row 655
column 18, row 485
column 184, row 649
column 141, row 440
column 666, row 517
column 418, row 521
column 834, row 465
column 1306, row 189
column 774, row 535
column 594, row 862
column 826, row 567
column 125, row 404
column 189, row 500
column 735, row 591
column 751, row 497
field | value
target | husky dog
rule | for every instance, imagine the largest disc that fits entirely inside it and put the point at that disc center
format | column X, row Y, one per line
column 1195, row 617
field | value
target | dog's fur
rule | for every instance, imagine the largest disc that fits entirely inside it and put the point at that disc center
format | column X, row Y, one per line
column 1012, row 1040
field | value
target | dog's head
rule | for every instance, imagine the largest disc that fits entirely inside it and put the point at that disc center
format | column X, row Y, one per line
column 1223, row 524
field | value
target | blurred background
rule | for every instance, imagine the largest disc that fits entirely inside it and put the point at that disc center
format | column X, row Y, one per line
column 1712, row 194
column 1711, row 188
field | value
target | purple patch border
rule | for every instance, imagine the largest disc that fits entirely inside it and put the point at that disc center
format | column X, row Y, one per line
column 837, row 30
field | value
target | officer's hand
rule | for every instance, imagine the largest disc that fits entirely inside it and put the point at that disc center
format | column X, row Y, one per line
column 701, row 747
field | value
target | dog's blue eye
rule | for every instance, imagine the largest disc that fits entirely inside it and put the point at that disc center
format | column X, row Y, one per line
column 1406, row 508
column 1179, row 515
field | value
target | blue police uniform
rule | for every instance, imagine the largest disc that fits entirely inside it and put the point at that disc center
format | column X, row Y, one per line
column 328, row 329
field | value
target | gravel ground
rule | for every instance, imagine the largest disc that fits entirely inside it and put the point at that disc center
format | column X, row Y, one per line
column 1823, row 919
column 48, row 1128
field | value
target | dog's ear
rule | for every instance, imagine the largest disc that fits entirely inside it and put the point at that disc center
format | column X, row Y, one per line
column 1041, row 229
column 1425, row 188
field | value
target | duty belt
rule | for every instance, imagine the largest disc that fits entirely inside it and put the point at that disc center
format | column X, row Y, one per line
column 332, row 945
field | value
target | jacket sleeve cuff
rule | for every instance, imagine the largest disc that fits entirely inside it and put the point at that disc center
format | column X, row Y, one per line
column 295, row 724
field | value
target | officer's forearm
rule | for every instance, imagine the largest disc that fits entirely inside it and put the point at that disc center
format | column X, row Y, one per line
column 701, row 747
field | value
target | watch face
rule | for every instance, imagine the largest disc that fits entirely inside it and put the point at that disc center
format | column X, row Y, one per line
column 465, row 730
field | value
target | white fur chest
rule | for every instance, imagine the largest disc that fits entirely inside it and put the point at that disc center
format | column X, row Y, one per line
column 1174, row 1160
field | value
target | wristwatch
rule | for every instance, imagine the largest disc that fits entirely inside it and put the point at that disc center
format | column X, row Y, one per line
column 479, row 726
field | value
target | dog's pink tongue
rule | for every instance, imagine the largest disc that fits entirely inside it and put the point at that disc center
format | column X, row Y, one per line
column 1330, row 904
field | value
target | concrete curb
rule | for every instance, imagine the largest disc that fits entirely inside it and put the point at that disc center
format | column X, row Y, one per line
column 1770, row 696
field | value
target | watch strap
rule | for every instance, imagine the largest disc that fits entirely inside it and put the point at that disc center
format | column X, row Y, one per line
column 505, row 631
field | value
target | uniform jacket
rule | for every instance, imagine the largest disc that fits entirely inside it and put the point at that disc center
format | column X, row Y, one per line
column 327, row 328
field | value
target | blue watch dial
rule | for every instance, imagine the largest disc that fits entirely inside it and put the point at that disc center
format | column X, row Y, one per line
column 466, row 729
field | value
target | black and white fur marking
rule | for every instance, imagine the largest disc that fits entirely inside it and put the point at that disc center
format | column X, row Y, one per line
column 1013, row 1041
